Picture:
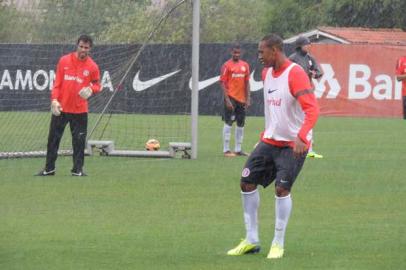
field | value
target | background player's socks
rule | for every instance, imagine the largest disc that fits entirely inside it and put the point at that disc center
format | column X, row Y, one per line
column 239, row 136
column 226, row 138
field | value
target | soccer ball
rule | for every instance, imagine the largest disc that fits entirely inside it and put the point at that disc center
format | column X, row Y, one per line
column 152, row 145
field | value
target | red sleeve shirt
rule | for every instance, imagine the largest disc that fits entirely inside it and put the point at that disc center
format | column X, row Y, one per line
column 401, row 70
column 235, row 77
column 301, row 88
column 72, row 75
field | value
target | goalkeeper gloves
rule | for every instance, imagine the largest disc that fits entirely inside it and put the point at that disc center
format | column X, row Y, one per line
column 85, row 92
column 56, row 107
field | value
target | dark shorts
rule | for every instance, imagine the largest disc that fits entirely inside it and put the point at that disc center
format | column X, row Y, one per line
column 268, row 163
column 404, row 107
column 236, row 115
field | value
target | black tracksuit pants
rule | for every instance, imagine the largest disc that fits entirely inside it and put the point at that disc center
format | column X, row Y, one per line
column 78, row 128
column 404, row 106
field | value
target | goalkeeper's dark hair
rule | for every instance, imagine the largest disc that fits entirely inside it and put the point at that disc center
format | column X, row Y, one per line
column 273, row 40
column 85, row 39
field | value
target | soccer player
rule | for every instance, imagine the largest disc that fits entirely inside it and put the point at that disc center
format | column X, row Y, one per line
column 234, row 79
column 302, row 57
column 291, row 111
column 401, row 76
column 77, row 78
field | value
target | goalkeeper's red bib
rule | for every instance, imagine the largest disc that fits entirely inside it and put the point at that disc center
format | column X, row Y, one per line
column 72, row 75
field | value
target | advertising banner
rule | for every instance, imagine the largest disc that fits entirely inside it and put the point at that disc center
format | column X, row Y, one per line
column 358, row 80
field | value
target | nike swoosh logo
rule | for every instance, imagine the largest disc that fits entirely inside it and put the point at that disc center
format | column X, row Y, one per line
column 255, row 85
column 271, row 91
column 205, row 83
column 139, row 85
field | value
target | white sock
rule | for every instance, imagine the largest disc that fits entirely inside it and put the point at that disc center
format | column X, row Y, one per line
column 312, row 141
column 250, row 202
column 226, row 137
column 283, row 207
column 311, row 147
column 239, row 135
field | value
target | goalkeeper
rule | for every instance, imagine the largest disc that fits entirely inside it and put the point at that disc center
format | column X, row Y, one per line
column 77, row 78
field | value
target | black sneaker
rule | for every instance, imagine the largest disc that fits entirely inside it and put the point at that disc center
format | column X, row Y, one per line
column 45, row 173
column 78, row 174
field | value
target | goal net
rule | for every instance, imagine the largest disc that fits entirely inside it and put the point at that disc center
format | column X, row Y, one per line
column 145, row 82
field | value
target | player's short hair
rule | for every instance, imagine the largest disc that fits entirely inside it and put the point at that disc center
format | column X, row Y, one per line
column 85, row 39
column 273, row 40
column 236, row 45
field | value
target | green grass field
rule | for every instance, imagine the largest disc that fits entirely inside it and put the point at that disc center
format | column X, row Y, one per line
column 130, row 213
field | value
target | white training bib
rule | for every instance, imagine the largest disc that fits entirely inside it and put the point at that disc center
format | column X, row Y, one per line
column 283, row 114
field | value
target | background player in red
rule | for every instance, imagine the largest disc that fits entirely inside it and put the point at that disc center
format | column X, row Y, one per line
column 401, row 76
column 77, row 78
column 291, row 111
column 234, row 79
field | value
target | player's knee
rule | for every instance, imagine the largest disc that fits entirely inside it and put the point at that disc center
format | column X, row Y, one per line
column 247, row 187
column 281, row 191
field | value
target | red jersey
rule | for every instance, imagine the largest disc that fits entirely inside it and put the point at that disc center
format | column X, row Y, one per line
column 72, row 74
column 400, row 70
column 235, row 76
column 299, row 86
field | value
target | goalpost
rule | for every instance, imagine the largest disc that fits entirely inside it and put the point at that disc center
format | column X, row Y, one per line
column 145, row 95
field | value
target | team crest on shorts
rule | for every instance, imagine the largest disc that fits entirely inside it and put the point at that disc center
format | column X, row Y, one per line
column 86, row 72
column 246, row 172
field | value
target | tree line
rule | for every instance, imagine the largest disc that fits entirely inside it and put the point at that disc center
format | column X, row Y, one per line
column 130, row 21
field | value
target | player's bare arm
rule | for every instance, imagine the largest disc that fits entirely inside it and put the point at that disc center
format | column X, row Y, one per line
column 300, row 147
column 227, row 100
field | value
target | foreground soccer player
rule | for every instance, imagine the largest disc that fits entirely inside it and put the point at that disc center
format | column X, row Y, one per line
column 77, row 78
column 291, row 111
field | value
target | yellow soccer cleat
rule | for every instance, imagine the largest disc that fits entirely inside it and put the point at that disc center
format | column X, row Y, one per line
column 276, row 252
column 244, row 248
column 314, row 155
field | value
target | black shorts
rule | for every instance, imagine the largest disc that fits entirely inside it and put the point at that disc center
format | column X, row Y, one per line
column 237, row 115
column 268, row 163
